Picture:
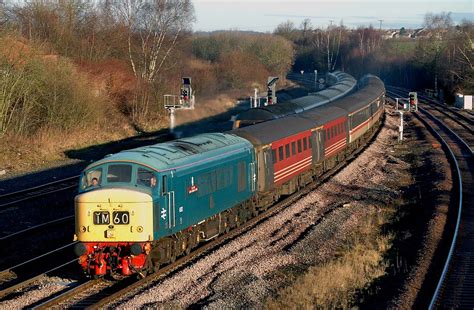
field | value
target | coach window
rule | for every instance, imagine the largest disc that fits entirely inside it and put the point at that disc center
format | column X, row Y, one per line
column 305, row 144
column 310, row 142
column 280, row 153
column 293, row 148
column 287, row 150
column 119, row 173
column 274, row 156
column 299, row 146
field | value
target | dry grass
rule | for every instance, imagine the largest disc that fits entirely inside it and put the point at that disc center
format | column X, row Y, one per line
column 46, row 147
column 357, row 264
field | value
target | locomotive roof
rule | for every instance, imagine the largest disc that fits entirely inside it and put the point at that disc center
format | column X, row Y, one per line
column 169, row 155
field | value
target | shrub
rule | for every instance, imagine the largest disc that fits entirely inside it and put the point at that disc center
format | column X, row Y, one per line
column 37, row 91
column 274, row 52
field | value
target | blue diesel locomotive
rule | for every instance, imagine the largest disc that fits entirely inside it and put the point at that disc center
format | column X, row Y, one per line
column 143, row 207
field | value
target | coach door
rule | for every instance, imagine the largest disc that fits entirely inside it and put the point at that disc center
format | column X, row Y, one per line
column 168, row 211
column 269, row 170
column 317, row 140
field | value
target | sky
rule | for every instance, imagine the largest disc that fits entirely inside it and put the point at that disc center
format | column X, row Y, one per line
column 265, row 15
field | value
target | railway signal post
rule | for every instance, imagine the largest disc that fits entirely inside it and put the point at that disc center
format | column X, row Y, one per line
column 400, row 128
column 271, row 90
column 183, row 101
column 413, row 101
column 410, row 104
column 271, row 97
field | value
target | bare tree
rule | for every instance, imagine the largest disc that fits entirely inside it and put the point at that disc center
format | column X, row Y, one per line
column 438, row 22
column 332, row 43
column 3, row 14
column 153, row 28
column 286, row 30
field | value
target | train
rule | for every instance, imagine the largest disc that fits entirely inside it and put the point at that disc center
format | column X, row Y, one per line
column 341, row 83
column 141, row 208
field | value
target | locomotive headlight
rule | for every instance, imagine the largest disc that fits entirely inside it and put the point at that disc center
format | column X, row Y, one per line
column 139, row 229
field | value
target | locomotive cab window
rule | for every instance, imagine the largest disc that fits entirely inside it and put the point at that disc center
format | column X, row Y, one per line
column 91, row 179
column 119, row 173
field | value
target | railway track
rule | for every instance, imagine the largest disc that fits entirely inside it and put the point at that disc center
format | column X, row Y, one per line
column 465, row 115
column 455, row 288
column 95, row 294
column 49, row 188
column 451, row 120
column 34, row 229
column 25, row 273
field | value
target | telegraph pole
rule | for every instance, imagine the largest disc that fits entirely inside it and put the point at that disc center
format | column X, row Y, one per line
column 380, row 27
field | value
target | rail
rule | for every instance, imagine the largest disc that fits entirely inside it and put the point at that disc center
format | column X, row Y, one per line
column 458, row 219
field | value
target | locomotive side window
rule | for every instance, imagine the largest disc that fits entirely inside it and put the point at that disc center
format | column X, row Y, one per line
column 119, row 173
column 164, row 186
column 145, row 177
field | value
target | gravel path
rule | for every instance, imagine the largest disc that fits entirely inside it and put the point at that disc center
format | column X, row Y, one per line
column 36, row 292
column 245, row 272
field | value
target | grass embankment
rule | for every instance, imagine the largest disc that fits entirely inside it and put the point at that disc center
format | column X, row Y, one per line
column 355, row 266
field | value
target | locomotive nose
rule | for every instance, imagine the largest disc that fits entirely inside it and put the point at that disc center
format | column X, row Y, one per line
column 114, row 215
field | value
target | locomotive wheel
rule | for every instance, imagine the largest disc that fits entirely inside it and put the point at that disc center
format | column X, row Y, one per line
column 188, row 247
column 254, row 211
column 173, row 252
